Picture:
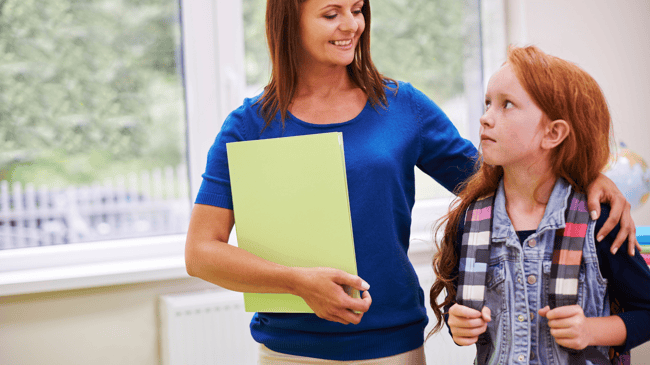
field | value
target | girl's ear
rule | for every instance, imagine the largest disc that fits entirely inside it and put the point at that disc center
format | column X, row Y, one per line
column 554, row 133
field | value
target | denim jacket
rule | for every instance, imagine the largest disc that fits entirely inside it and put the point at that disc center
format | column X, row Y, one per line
column 518, row 285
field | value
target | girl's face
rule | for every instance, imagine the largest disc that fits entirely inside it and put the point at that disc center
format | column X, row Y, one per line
column 511, row 127
column 330, row 31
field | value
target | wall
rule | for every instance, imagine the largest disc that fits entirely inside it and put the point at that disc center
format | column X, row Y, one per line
column 117, row 325
column 114, row 325
column 609, row 39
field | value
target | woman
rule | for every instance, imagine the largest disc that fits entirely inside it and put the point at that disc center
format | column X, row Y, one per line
column 324, row 80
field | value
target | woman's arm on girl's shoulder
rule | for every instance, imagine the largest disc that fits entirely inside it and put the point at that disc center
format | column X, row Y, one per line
column 603, row 190
column 209, row 257
column 628, row 285
column 444, row 155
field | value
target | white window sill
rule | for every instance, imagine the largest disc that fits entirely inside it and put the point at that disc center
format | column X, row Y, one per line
column 94, row 264
column 85, row 265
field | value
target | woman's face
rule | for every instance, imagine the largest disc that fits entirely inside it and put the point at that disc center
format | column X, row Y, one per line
column 330, row 31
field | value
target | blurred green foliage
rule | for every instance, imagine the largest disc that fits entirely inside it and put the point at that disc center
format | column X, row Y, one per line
column 423, row 42
column 92, row 89
column 89, row 89
column 258, row 66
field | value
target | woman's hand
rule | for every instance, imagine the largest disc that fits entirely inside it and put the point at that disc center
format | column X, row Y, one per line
column 466, row 324
column 604, row 190
column 209, row 257
column 322, row 289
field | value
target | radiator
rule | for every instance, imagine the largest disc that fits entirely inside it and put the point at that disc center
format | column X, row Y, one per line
column 208, row 327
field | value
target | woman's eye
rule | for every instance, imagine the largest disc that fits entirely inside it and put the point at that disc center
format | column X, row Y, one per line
column 329, row 16
column 356, row 12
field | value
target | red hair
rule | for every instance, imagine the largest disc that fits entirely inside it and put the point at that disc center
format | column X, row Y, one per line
column 562, row 90
column 283, row 37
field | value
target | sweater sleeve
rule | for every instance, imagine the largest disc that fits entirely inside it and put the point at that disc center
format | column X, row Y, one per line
column 628, row 285
column 215, row 187
column 444, row 154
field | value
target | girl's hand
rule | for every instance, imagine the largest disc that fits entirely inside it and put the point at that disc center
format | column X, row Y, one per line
column 322, row 289
column 568, row 326
column 604, row 190
column 466, row 324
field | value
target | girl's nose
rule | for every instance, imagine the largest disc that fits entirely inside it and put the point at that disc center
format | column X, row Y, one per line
column 486, row 120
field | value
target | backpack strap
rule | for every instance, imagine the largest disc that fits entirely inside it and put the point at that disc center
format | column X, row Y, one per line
column 475, row 253
column 567, row 253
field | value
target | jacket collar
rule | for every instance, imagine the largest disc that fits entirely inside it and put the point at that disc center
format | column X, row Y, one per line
column 553, row 215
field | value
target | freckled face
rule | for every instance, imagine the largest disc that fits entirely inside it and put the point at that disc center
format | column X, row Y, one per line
column 330, row 31
column 511, row 127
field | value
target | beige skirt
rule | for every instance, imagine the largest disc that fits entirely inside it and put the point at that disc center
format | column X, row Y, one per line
column 270, row 357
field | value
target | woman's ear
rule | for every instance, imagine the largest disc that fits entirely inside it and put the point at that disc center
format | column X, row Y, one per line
column 554, row 133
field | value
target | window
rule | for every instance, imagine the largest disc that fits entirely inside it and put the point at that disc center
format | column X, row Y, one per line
column 135, row 47
column 131, row 52
column 93, row 122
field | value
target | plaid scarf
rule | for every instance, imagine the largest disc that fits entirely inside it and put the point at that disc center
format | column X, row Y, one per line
column 567, row 253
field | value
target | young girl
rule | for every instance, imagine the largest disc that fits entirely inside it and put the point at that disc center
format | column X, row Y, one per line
column 526, row 280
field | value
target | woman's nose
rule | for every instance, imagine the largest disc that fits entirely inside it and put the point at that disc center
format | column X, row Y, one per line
column 349, row 23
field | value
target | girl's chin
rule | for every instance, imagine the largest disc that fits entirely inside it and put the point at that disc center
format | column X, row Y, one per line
column 490, row 161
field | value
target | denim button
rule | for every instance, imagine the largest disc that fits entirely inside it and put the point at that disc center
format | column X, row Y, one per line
column 521, row 318
column 532, row 279
column 522, row 357
column 519, row 279
column 532, row 243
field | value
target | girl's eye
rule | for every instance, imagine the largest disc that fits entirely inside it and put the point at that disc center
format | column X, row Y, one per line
column 487, row 105
column 508, row 104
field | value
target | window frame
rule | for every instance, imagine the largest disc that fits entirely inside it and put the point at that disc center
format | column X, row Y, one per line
column 213, row 66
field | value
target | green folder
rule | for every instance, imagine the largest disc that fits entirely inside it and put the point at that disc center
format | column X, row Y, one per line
column 291, row 207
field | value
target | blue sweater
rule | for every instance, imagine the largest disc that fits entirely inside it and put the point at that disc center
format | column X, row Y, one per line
column 382, row 147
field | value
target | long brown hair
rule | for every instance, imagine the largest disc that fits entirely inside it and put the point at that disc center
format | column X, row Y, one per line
column 562, row 90
column 283, row 37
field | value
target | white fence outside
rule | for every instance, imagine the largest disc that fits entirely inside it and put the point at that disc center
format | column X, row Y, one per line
column 150, row 203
